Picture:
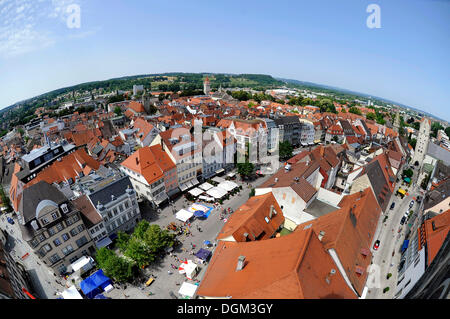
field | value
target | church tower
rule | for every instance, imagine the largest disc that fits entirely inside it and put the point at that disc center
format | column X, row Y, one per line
column 397, row 122
column 206, row 86
column 422, row 141
column 146, row 102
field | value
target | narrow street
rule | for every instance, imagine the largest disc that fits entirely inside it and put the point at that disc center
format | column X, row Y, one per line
column 391, row 235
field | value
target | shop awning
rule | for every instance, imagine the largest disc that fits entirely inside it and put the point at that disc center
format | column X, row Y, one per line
column 206, row 186
column 218, row 179
column 217, row 192
column 196, row 192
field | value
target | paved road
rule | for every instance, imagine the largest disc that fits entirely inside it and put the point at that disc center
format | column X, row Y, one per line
column 210, row 227
column 391, row 241
column 45, row 283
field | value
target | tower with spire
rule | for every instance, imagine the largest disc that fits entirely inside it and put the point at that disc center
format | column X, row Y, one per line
column 397, row 122
column 206, row 86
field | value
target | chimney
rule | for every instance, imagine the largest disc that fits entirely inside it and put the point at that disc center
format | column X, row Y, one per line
column 240, row 263
column 321, row 234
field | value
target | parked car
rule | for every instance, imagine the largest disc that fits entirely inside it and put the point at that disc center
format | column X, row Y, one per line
column 10, row 220
column 403, row 220
column 376, row 245
column 392, row 205
column 411, row 204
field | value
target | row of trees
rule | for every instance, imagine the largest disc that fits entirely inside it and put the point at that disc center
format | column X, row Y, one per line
column 137, row 250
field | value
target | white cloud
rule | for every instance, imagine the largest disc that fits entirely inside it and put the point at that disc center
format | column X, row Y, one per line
column 22, row 24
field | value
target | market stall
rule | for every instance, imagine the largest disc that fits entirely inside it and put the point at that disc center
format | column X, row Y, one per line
column 189, row 268
column 187, row 290
column 184, row 215
column 217, row 192
column 71, row 293
column 206, row 186
column 196, row 192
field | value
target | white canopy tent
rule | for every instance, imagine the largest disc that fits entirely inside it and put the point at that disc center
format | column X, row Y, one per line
column 84, row 263
column 227, row 185
column 196, row 192
column 206, row 198
column 231, row 174
column 189, row 268
column 187, row 289
column 206, row 186
column 218, row 179
column 71, row 293
column 184, row 215
column 217, row 192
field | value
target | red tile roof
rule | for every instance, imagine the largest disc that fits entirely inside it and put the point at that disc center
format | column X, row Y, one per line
column 294, row 266
column 250, row 219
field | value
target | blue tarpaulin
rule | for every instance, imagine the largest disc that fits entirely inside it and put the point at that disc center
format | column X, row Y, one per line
column 405, row 245
column 199, row 214
column 95, row 284
column 203, row 254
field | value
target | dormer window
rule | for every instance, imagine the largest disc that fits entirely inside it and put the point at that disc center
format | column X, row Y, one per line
column 64, row 208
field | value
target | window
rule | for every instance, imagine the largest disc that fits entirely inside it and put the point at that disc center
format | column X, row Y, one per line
column 115, row 211
column 59, row 227
column 54, row 258
column 51, row 231
column 73, row 259
column 67, row 250
column 47, row 248
column 80, row 242
column 44, row 221
column 65, row 237
column 121, row 208
column 69, row 221
column 80, row 228
column 54, row 216
column 127, row 205
column 101, row 225
column 41, row 237
column 34, row 243
column 96, row 229
column 57, row 242
column 74, row 232
column 75, row 218
column 92, row 231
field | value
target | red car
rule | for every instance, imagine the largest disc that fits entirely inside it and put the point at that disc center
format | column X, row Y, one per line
column 376, row 245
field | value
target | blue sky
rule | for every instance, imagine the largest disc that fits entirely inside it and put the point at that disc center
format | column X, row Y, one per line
column 321, row 41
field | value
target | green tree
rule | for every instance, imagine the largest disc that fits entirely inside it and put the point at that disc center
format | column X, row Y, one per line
column 157, row 239
column 161, row 97
column 435, row 127
column 416, row 125
column 285, row 150
column 141, row 228
column 114, row 266
column 408, row 173
column 118, row 110
column 122, row 240
column 354, row 110
column 139, row 252
column 447, row 131
column 245, row 169
column 5, row 199
column 370, row 116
